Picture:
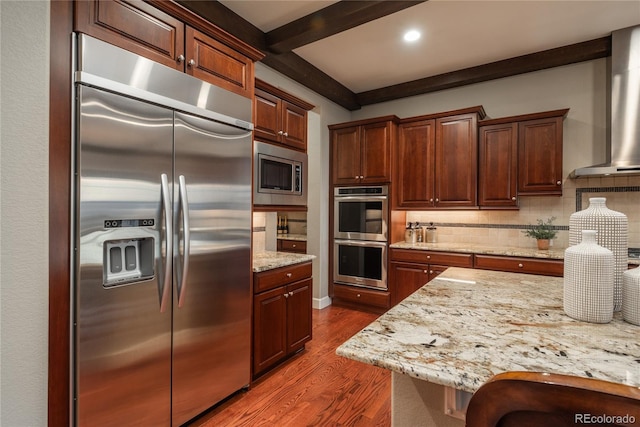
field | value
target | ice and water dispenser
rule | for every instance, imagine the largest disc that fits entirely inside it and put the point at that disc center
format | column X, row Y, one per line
column 130, row 259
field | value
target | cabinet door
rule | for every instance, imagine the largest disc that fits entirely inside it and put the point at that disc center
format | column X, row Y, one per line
column 135, row 26
column 294, row 126
column 298, row 314
column 540, row 157
column 266, row 116
column 405, row 279
column 436, row 270
column 414, row 182
column 345, row 155
column 497, row 174
column 375, row 149
column 456, row 161
column 218, row 64
column 269, row 328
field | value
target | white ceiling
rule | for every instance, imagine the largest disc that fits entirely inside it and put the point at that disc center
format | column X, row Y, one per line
column 456, row 34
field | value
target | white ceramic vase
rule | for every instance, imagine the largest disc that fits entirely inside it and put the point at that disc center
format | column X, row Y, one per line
column 613, row 234
column 588, row 280
column 631, row 296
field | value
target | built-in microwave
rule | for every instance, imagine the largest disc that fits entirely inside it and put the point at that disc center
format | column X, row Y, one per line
column 280, row 175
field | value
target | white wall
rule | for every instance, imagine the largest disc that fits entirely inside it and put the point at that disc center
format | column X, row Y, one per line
column 24, row 145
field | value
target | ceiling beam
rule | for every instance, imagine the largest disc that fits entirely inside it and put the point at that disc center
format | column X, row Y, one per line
column 333, row 19
column 585, row 51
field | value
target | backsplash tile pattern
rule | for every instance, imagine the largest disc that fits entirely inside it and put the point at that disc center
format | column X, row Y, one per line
column 505, row 227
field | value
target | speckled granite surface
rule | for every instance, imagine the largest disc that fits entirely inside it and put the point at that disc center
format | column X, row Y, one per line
column 269, row 260
column 467, row 325
column 482, row 249
column 299, row 237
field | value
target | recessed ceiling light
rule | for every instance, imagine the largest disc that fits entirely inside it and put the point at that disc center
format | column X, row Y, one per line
column 411, row 35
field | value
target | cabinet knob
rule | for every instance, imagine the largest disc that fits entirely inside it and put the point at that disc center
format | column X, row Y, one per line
column 356, row 177
column 520, row 266
column 513, row 198
column 180, row 58
column 290, row 294
column 191, row 63
column 559, row 182
column 358, row 295
column 431, row 200
column 286, row 134
column 428, row 256
column 425, row 271
column 280, row 132
column 437, row 200
column 430, row 271
column 286, row 295
column 293, row 246
column 288, row 274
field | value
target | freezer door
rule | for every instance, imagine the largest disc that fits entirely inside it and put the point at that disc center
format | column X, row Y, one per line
column 212, row 222
column 123, row 324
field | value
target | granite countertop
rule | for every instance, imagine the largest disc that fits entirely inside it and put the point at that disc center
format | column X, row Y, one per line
column 269, row 260
column 299, row 237
column 557, row 253
column 467, row 325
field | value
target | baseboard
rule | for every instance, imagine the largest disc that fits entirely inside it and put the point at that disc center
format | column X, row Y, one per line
column 320, row 303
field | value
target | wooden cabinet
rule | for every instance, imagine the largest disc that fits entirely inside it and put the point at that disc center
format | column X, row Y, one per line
column 520, row 156
column 540, row 156
column 436, row 161
column 280, row 117
column 361, row 151
column 498, row 166
column 415, row 172
column 167, row 33
column 281, row 314
column 412, row 269
column 295, row 246
column 546, row 267
column 361, row 298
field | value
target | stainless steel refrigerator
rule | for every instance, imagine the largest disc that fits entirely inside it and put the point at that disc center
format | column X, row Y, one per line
column 162, row 205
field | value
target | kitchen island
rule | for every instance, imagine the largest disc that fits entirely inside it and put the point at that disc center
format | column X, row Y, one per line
column 467, row 325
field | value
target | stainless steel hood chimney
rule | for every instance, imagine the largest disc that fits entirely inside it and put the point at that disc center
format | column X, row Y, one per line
column 624, row 153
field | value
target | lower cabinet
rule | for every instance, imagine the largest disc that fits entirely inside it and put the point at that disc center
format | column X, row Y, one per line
column 281, row 314
column 412, row 269
column 361, row 298
column 295, row 246
column 545, row 267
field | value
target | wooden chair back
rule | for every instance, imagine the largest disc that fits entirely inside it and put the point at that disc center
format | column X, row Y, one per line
column 533, row 399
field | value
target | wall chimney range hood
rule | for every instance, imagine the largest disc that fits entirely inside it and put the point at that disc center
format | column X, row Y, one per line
column 623, row 157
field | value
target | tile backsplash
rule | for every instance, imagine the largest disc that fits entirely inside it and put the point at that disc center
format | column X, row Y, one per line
column 505, row 227
column 265, row 228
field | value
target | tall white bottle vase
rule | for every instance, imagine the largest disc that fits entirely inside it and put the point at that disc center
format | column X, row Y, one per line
column 588, row 280
column 631, row 296
column 613, row 234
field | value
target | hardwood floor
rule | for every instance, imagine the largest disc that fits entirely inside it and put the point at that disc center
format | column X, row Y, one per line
column 315, row 387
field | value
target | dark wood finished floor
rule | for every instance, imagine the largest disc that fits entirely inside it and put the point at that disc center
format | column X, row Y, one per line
column 315, row 387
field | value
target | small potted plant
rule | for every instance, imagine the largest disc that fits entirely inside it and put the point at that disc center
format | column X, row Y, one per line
column 543, row 232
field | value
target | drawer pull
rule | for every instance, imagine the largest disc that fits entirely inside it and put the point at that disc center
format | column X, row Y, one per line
column 428, row 256
column 288, row 274
column 520, row 266
column 293, row 246
column 358, row 295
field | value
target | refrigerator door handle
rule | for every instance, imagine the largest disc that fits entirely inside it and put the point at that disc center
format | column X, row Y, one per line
column 186, row 235
column 165, row 285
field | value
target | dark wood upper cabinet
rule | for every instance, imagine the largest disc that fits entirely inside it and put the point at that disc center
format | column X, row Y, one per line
column 456, row 161
column 167, row 33
column 135, row 26
column 436, row 161
column 498, row 166
column 537, row 140
column 361, row 151
column 280, row 117
column 415, row 172
column 540, row 156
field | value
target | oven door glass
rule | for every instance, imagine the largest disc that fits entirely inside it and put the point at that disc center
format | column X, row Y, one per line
column 361, row 263
column 361, row 219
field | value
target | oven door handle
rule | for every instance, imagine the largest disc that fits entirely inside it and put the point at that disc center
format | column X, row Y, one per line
column 361, row 243
column 360, row 198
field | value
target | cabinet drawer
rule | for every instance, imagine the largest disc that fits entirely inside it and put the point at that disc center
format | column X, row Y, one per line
column 450, row 259
column 266, row 280
column 362, row 296
column 296, row 246
column 520, row 265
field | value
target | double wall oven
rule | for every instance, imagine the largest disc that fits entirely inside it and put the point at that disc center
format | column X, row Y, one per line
column 360, row 236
